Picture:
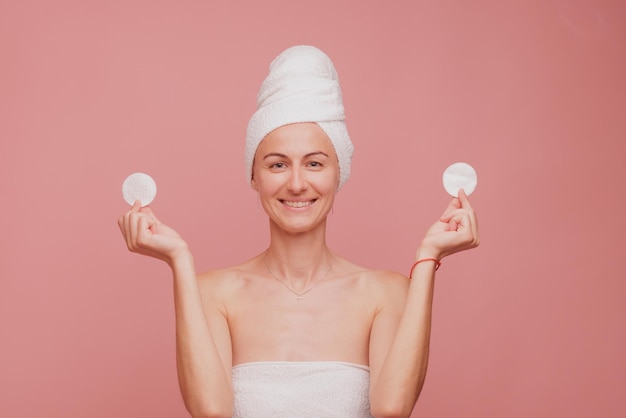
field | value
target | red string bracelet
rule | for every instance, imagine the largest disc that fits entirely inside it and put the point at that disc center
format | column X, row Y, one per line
column 437, row 264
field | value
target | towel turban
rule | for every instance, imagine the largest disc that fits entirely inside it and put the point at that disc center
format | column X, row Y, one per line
column 302, row 86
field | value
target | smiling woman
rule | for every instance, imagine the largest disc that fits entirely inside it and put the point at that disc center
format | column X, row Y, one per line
column 297, row 176
column 298, row 330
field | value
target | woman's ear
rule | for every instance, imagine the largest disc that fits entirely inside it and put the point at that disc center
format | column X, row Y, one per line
column 252, row 180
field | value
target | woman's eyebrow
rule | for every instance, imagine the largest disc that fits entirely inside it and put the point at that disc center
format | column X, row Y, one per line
column 310, row 154
column 275, row 154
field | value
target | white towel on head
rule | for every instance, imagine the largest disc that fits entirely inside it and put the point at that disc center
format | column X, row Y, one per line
column 302, row 86
column 284, row 389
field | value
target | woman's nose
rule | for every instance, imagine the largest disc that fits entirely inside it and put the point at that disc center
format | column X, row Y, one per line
column 297, row 181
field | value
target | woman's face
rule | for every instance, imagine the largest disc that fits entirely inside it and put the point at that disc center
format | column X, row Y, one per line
column 296, row 174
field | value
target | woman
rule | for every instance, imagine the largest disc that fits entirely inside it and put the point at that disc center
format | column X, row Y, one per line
column 298, row 331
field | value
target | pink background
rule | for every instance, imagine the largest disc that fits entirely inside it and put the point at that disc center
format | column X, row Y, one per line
column 531, row 93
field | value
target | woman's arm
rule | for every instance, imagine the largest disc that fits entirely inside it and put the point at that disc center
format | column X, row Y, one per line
column 202, row 339
column 203, row 351
column 400, row 337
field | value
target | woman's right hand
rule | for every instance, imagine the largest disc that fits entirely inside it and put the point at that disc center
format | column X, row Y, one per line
column 145, row 234
column 456, row 230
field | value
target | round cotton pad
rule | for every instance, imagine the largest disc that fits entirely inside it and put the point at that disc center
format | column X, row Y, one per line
column 139, row 186
column 459, row 176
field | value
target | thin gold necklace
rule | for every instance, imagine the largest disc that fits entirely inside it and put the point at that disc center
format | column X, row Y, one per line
column 300, row 296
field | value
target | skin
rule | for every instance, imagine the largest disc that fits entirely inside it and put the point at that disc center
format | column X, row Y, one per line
column 352, row 314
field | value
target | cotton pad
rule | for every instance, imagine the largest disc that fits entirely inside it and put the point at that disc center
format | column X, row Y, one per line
column 139, row 186
column 459, row 176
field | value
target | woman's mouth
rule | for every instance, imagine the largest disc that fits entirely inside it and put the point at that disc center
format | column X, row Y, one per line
column 298, row 204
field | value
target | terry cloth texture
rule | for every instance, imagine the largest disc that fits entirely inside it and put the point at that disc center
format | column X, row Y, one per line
column 286, row 389
column 302, row 86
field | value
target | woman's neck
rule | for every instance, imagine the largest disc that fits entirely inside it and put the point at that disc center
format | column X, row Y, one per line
column 299, row 257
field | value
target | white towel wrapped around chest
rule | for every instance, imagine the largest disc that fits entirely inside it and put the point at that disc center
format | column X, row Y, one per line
column 301, row 389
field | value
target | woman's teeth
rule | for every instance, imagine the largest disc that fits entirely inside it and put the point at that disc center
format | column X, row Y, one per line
column 297, row 204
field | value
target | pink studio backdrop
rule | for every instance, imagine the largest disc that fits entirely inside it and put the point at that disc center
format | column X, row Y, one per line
column 531, row 93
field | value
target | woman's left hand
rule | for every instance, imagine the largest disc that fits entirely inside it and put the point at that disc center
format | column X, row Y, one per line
column 455, row 231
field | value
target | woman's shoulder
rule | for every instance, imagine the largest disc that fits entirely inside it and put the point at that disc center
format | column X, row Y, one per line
column 373, row 277
column 377, row 288
column 227, row 277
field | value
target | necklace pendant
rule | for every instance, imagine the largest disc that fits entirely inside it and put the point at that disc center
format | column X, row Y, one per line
column 300, row 296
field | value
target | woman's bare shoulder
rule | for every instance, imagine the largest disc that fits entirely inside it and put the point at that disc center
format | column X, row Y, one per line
column 373, row 277
column 389, row 284
column 229, row 277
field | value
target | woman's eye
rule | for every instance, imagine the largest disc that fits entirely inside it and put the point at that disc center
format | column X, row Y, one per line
column 315, row 164
column 278, row 165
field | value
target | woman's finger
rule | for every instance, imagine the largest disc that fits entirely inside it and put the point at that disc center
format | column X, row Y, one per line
column 130, row 229
column 143, row 230
column 452, row 225
column 127, row 230
column 464, row 200
column 454, row 213
column 454, row 204
column 148, row 212
column 469, row 229
column 124, row 223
